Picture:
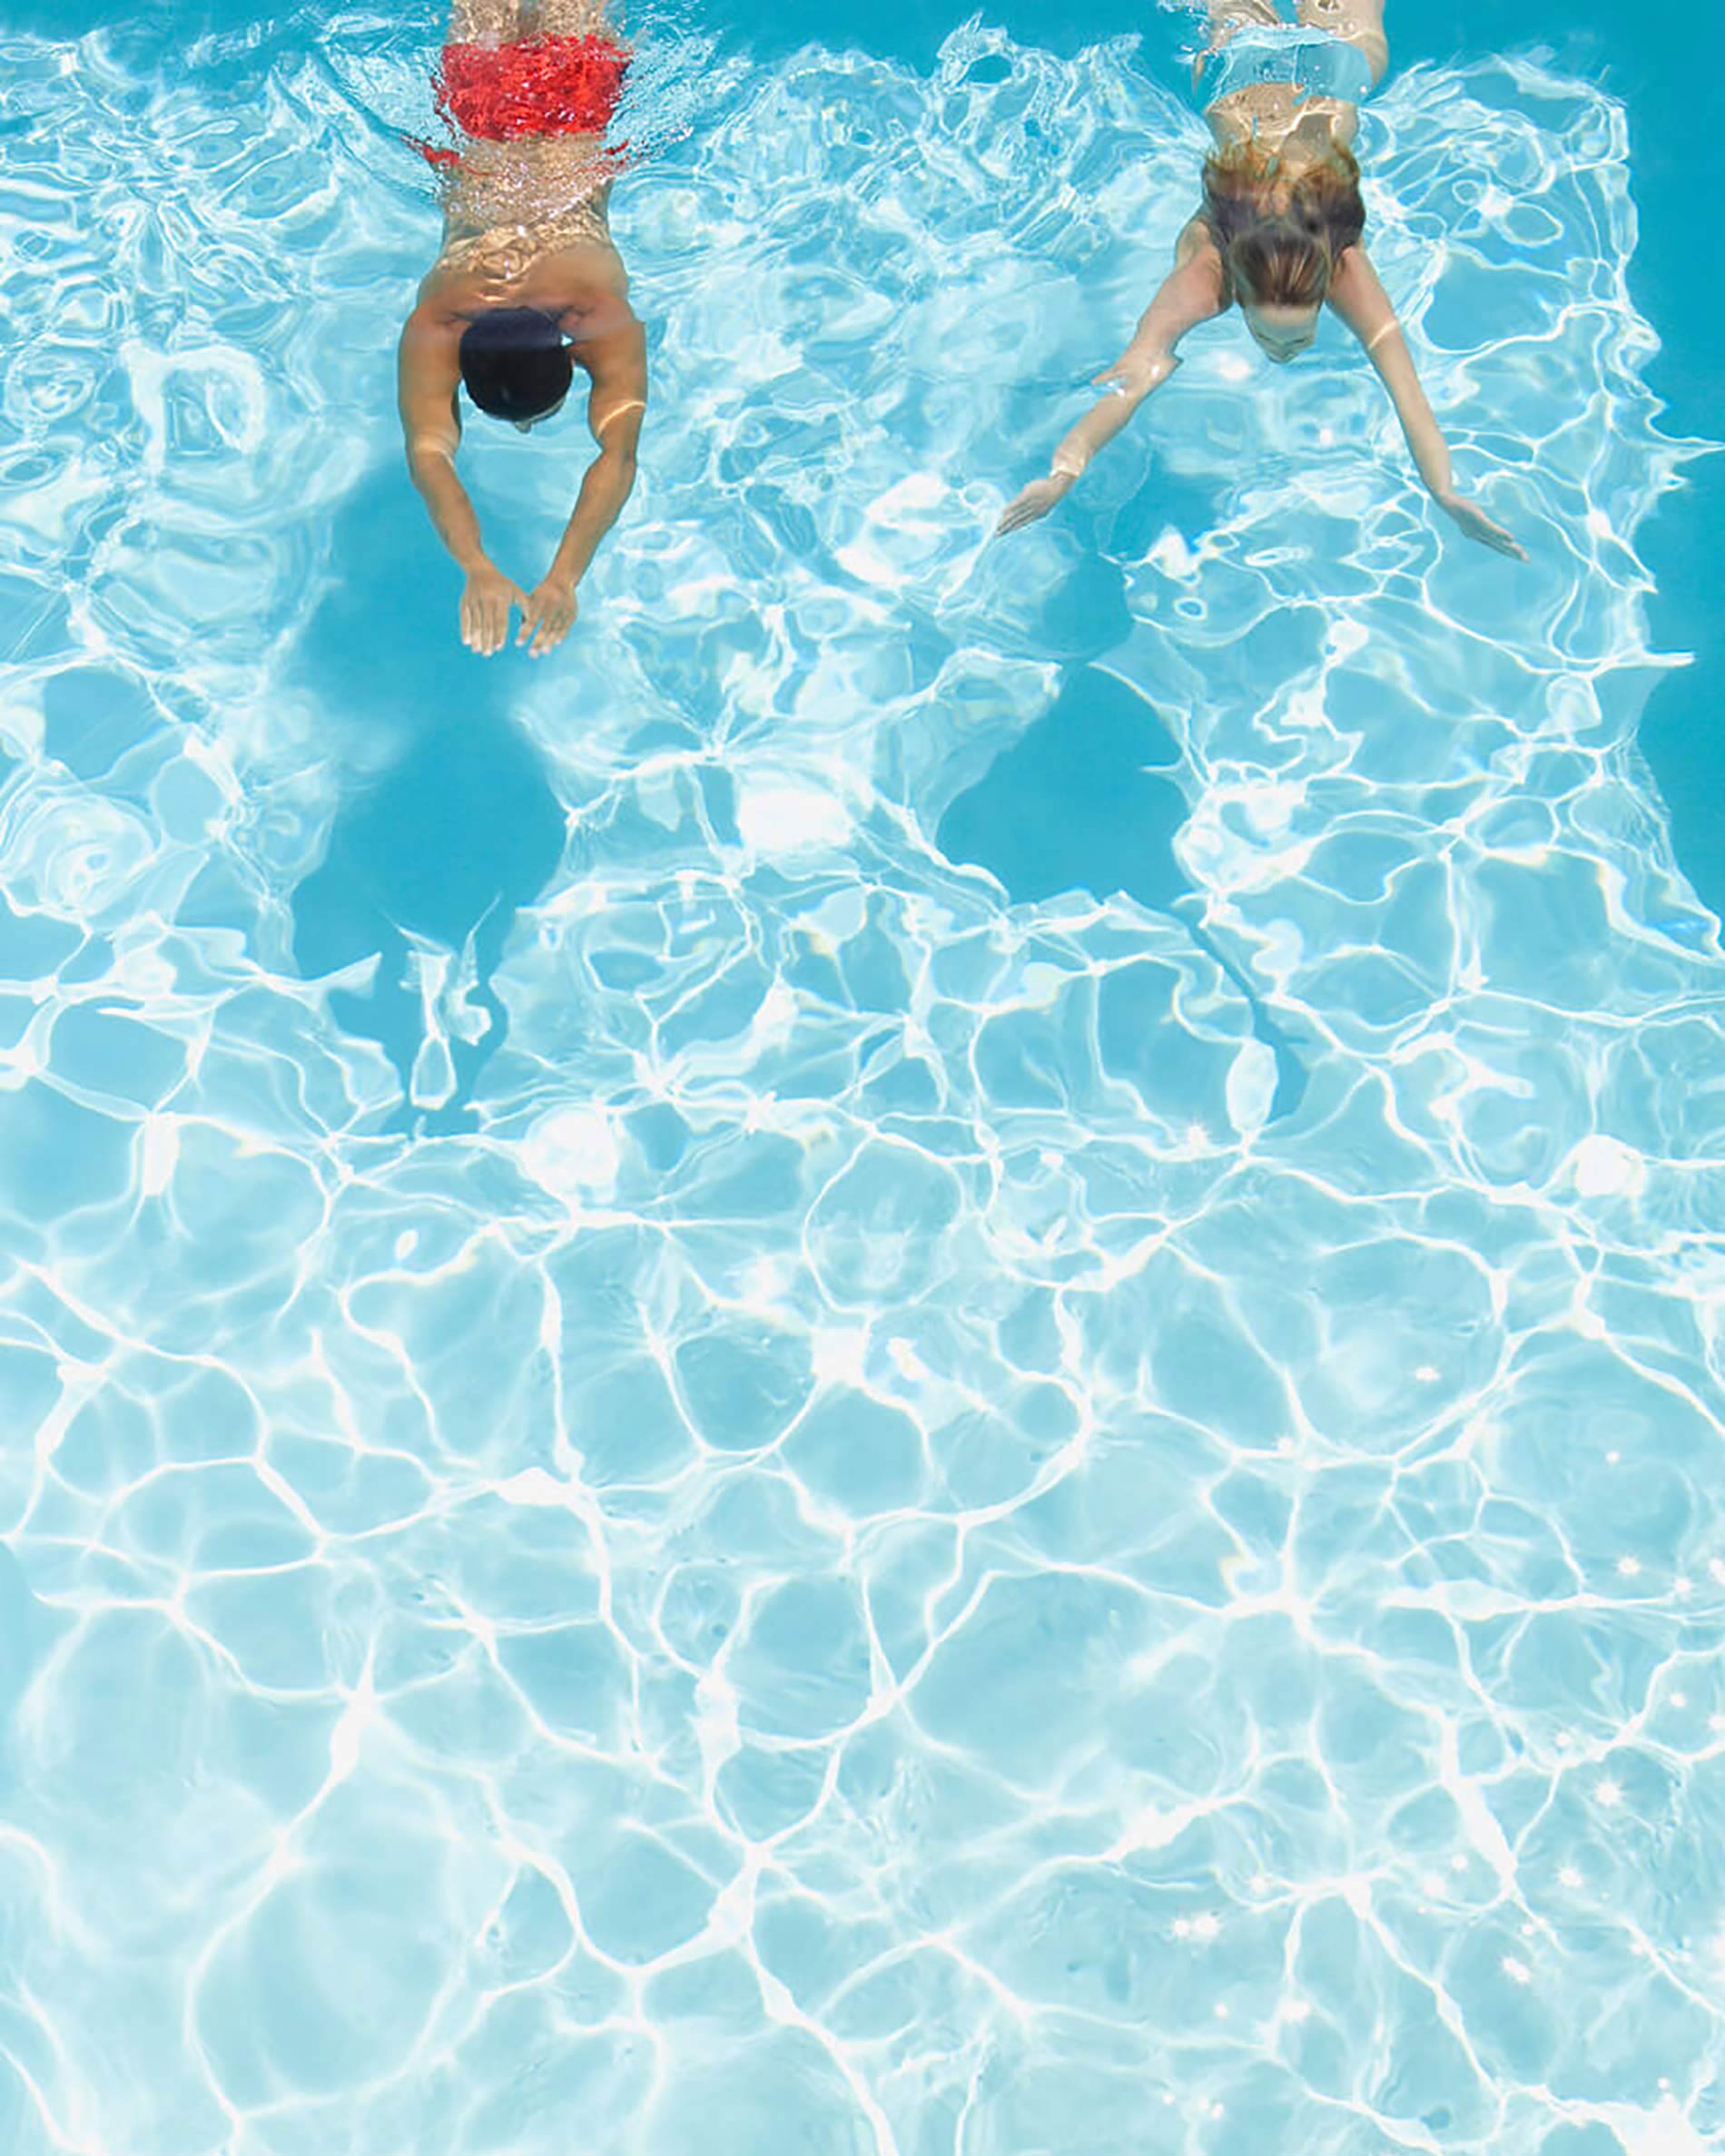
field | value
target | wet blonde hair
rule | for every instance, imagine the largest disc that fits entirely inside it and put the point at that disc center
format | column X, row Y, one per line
column 1280, row 235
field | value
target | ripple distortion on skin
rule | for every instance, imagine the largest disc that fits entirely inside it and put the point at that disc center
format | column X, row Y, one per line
column 877, row 1560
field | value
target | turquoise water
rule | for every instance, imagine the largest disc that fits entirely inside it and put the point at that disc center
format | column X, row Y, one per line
column 926, row 1361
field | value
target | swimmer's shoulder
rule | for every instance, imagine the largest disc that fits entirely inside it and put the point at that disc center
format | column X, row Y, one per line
column 610, row 342
column 443, row 290
column 1197, row 253
column 1196, row 238
column 433, row 329
column 586, row 293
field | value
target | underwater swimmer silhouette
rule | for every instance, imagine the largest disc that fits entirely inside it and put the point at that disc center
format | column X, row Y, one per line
column 1278, row 231
column 528, row 286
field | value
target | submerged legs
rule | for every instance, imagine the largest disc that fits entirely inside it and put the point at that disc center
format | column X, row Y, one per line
column 484, row 22
column 573, row 18
column 1226, row 16
column 1360, row 22
column 504, row 21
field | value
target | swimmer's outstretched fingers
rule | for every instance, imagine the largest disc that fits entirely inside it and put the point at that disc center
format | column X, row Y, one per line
column 1034, row 502
column 1469, row 517
column 485, row 604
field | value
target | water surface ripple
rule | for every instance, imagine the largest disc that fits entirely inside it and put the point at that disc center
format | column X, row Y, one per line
column 796, row 1522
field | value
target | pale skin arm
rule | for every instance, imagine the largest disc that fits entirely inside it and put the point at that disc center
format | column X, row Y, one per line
column 616, row 409
column 1191, row 293
column 1359, row 298
column 426, row 372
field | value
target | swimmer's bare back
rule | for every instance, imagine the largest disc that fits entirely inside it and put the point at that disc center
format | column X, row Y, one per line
column 527, row 236
column 1299, row 129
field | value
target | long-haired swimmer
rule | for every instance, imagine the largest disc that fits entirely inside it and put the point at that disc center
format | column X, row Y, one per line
column 527, row 287
column 1278, row 231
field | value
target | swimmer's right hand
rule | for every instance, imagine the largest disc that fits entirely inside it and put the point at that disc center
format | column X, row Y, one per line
column 1037, row 499
column 485, row 609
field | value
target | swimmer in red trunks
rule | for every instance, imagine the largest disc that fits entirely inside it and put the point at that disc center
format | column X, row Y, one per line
column 528, row 286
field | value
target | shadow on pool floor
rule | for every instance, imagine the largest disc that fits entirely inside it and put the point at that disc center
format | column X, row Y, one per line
column 456, row 832
column 1081, row 802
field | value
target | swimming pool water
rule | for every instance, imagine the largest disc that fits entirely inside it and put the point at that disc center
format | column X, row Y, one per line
column 926, row 1360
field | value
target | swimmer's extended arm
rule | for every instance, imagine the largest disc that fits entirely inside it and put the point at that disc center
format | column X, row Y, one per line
column 427, row 371
column 1191, row 293
column 616, row 409
column 1358, row 295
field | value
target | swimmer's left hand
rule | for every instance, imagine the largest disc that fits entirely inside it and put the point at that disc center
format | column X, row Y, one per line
column 548, row 616
column 1469, row 517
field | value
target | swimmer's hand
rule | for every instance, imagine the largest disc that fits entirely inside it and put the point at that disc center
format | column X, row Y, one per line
column 548, row 616
column 486, row 602
column 1145, row 365
column 1469, row 517
column 1037, row 499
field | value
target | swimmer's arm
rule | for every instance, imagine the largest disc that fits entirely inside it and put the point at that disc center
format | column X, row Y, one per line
column 1191, row 293
column 616, row 409
column 426, row 372
column 1358, row 295
column 426, row 377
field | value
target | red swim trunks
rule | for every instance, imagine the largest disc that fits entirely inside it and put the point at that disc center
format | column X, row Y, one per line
column 543, row 86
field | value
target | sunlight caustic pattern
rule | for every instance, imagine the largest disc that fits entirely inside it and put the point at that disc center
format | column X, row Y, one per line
column 876, row 1557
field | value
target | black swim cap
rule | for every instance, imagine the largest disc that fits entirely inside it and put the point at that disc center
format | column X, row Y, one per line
column 515, row 363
